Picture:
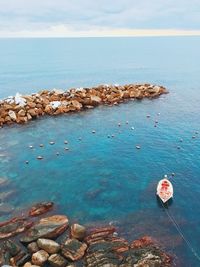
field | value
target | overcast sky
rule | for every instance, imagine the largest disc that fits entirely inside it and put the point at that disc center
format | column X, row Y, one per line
column 98, row 17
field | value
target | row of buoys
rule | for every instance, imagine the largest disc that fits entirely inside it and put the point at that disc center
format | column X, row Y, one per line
column 108, row 136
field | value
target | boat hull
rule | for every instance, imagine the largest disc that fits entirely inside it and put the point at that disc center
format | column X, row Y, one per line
column 165, row 190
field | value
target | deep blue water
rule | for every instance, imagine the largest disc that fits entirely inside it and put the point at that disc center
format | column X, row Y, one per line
column 103, row 179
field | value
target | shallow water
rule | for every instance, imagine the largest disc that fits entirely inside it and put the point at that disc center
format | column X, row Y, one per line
column 103, row 179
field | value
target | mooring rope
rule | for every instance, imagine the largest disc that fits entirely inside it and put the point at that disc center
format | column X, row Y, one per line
column 180, row 232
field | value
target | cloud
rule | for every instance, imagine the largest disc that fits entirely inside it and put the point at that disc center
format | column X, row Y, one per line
column 69, row 18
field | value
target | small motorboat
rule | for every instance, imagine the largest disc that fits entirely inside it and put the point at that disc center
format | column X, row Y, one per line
column 165, row 189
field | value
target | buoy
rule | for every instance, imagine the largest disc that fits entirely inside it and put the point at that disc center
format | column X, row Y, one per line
column 138, row 147
column 119, row 124
column 65, row 142
column 132, row 128
column 39, row 157
column 66, row 148
column 93, row 131
column 27, row 162
column 178, row 147
column 193, row 137
column 112, row 135
column 41, row 145
column 108, row 136
column 52, row 143
column 31, row 147
column 156, row 121
column 173, row 174
column 80, row 138
column 181, row 140
column 127, row 122
column 148, row 116
column 57, row 153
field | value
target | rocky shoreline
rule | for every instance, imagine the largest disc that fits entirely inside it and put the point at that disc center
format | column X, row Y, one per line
column 32, row 240
column 23, row 108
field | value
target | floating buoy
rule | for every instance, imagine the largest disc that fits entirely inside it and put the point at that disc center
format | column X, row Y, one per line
column 181, row 140
column 127, row 122
column 112, row 135
column 138, row 147
column 108, row 136
column 193, row 137
column 119, row 124
column 57, row 153
column 27, row 162
column 52, row 143
column 93, row 131
column 66, row 148
column 132, row 128
column 40, row 157
column 65, row 142
column 41, row 145
column 156, row 121
column 158, row 113
column 196, row 132
column 178, row 147
column 31, row 147
column 148, row 116
column 173, row 174
column 80, row 138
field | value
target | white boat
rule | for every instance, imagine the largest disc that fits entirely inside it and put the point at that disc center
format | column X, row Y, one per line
column 165, row 189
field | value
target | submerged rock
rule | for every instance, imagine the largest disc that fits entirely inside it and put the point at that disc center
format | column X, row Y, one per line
column 40, row 208
column 6, row 208
column 50, row 227
column 13, row 227
column 12, row 247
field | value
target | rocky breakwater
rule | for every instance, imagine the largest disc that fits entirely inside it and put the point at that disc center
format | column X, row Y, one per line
column 53, row 241
column 23, row 108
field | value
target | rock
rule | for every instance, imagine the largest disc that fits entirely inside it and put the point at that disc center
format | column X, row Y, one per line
column 78, row 231
column 99, row 234
column 12, row 115
column 41, row 208
column 73, row 249
column 28, row 264
column 76, row 104
column 50, row 227
column 40, row 257
column 33, row 247
column 12, row 247
column 48, row 245
column 57, row 260
column 142, row 242
column 21, row 113
column 14, row 226
column 20, row 259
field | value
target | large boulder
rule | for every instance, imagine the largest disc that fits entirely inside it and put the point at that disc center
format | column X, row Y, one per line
column 50, row 227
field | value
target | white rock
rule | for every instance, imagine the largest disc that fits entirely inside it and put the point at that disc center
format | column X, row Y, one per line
column 55, row 104
column 12, row 115
column 19, row 100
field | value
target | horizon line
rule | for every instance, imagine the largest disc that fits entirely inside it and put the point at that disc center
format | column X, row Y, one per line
column 61, row 31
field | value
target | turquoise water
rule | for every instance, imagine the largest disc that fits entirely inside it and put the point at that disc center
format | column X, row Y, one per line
column 101, row 179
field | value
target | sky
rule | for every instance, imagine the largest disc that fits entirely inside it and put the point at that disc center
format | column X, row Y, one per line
column 91, row 18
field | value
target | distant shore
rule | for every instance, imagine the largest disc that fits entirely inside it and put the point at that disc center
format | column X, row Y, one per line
column 23, row 108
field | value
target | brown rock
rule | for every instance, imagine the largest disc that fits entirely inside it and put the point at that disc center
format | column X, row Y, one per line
column 57, row 260
column 48, row 245
column 40, row 257
column 78, row 231
column 33, row 247
column 73, row 249
column 41, row 208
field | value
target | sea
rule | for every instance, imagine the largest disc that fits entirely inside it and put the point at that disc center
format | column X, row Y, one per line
column 103, row 179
